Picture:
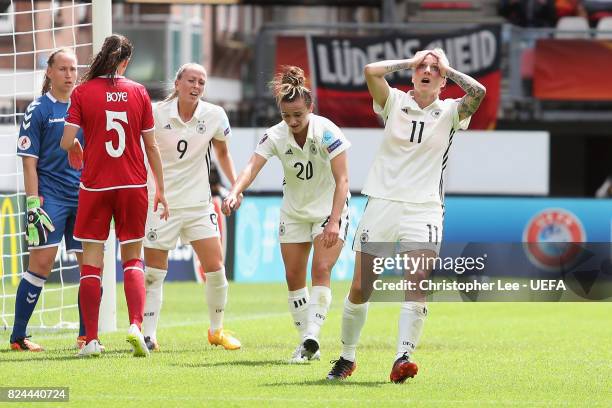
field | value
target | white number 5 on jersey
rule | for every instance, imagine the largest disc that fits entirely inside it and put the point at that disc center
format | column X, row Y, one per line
column 112, row 122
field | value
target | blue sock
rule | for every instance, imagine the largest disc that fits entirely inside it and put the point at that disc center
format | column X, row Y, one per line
column 81, row 322
column 28, row 293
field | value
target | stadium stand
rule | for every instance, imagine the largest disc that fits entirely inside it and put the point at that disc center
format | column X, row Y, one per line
column 604, row 29
column 598, row 9
column 456, row 11
column 572, row 27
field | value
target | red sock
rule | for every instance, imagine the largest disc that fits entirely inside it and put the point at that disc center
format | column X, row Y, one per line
column 134, row 287
column 89, row 299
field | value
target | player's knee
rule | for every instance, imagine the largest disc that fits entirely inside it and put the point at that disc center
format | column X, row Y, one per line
column 295, row 277
column 321, row 269
column 357, row 295
column 131, row 250
column 156, row 263
column 40, row 270
column 41, row 264
column 420, row 275
column 212, row 265
column 154, row 277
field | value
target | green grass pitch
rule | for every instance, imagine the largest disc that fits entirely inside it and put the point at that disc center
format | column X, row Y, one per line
column 485, row 354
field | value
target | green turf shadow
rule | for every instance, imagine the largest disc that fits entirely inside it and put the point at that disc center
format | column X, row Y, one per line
column 246, row 363
column 330, row 383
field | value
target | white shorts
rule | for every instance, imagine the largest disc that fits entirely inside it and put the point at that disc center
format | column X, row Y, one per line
column 191, row 224
column 413, row 225
column 291, row 230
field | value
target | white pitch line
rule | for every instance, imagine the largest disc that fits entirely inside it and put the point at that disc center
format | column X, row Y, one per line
column 255, row 316
column 301, row 399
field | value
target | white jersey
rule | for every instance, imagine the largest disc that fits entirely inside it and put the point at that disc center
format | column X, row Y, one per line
column 185, row 151
column 410, row 162
column 308, row 187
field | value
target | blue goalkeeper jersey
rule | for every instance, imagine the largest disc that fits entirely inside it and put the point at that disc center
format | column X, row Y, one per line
column 39, row 136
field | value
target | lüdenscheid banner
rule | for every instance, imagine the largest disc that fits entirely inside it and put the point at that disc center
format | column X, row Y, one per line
column 337, row 69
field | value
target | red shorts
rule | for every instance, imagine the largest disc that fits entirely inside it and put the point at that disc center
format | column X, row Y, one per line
column 128, row 206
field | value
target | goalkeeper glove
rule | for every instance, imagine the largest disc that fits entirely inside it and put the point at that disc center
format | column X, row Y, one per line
column 38, row 222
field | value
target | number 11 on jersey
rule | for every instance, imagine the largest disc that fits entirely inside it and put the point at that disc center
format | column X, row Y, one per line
column 414, row 126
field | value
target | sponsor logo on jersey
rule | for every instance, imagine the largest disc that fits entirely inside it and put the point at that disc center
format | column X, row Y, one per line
column 334, row 146
column 313, row 148
column 201, row 127
column 168, row 126
column 552, row 235
column 56, row 120
column 289, row 151
column 152, row 235
column 328, row 137
column 24, row 143
column 264, row 138
column 436, row 113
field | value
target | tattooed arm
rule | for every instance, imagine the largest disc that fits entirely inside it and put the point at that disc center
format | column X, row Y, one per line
column 474, row 90
column 474, row 93
column 376, row 71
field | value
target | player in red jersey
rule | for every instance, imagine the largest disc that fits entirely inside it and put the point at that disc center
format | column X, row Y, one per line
column 113, row 112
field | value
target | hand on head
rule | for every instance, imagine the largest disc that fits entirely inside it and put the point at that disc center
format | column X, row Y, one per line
column 442, row 60
column 418, row 58
column 437, row 53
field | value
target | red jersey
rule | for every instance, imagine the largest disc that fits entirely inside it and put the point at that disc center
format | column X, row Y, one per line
column 113, row 118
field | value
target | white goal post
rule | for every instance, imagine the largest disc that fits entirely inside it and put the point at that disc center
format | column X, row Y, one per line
column 102, row 27
column 46, row 25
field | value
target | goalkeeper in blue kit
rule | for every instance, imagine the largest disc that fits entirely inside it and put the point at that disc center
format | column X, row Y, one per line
column 51, row 186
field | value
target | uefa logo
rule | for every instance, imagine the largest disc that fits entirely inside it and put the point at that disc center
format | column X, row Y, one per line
column 552, row 239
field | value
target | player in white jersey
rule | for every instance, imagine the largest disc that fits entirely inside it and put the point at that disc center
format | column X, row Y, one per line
column 186, row 129
column 315, row 201
column 405, row 189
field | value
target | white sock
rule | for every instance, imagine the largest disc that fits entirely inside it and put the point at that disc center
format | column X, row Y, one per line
column 154, row 281
column 216, row 297
column 411, row 321
column 298, row 307
column 320, row 299
column 353, row 319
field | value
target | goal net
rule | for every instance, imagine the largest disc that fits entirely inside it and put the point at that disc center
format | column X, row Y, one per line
column 29, row 32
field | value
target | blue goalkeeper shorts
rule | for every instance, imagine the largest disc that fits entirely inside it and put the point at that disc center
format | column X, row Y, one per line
column 63, row 217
